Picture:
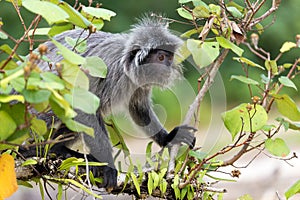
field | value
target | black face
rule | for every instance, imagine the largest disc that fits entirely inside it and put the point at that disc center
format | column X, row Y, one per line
column 159, row 56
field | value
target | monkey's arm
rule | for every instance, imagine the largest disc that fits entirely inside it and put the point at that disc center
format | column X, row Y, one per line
column 142, row 114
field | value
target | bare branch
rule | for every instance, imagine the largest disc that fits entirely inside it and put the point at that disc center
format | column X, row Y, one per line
column 275, row 5
column 208, row 82
column 293, row 68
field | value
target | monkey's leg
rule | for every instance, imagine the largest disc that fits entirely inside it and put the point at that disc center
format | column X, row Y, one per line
column 98, row 148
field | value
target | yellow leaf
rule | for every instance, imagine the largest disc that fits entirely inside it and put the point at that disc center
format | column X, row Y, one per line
column 8, row 181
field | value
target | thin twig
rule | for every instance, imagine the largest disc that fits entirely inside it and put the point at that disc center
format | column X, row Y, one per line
column 208, row 82
column 281, row 85
column 265, row 15
column 18, row 43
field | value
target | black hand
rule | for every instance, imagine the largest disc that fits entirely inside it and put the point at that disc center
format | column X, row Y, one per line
column 109, row 175
column 182, row 134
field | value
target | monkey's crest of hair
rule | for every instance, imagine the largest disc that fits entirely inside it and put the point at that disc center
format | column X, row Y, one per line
column 151, row 32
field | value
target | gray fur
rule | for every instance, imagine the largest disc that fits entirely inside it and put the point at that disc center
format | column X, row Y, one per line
column 128, row 84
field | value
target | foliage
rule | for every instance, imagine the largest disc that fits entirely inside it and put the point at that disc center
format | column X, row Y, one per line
column 217, row 28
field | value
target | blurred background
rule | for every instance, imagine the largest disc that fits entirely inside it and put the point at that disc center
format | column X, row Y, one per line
column 264, row 174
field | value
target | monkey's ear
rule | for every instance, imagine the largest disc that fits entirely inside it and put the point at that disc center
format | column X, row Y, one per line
column 128, row 58
column 132, row 55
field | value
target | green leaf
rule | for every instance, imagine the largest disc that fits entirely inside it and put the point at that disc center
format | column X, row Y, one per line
column 116, row 137
column 184, row 1
column 149, row 150
column 215, row 9
column 49, row 11
column 277, row 147
column 98, row 23
column 271, row 65
column 155, row 178
column 201, row 12
column 80, row 45
column 41, row 189
column 63, row 104
column 3, row 36
column 12, row 109
column 76, row 184
column 59, row 28
column 294, row 126
column 69, row 55
column 163, row 186
column 5, row 48
column 69, row 162
column 287, row 107
column 7, row 128
column 72, row 161
column 294, row 189
column 78, row 127
column 24, row 183
column 287, row 82
column 29, row 162
column 95, row 66
column 260, row 28
column 268, row 128
column 283, row 122
column 234, row 11
column 175, row 186
column 74, row 16
column 189, row 33
column 245, row 197
column 39, row 31
column 204, row 53
column 99, row 12
column 287, row 46
column 183, row 192
column 9, row 98
column 229, row 45
column 50, row 80
column 197, row 154
column 183, row 54
column 248, row 62
column 287, row 65
column 150, row 184
column 84, row 100
column 136, row 183
column 36, row 96
column 74, row 76
column 244, row 80
column 38, row 126
column 4, row 82
column 184, row 13
column 234, row 119
column 60, row 191
column 200, row 3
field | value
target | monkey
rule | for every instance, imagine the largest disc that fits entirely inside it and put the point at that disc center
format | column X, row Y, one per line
column 136, row 61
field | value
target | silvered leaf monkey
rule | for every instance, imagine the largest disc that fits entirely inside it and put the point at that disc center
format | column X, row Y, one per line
column 136, row 61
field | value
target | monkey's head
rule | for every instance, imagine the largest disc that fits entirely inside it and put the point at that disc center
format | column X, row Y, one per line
column 148, row 58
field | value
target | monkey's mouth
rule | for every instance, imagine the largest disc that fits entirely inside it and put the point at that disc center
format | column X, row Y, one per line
column 155, row 74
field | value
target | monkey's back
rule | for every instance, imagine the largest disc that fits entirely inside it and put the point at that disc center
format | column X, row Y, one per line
column 107, row 46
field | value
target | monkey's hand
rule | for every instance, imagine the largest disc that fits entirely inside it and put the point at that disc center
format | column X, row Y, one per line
column 182, row 134
column 109, row 176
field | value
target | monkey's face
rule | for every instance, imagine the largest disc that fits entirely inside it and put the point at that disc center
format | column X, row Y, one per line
column 152, row 67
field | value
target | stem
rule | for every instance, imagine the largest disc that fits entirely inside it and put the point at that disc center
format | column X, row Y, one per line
column 265, row 15
column 241, row 152
column 193, row 107
column 281, row 85
column 19, row 42
column 208, row 82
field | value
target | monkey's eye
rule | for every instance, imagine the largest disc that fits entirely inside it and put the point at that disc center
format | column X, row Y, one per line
column 161, row 57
